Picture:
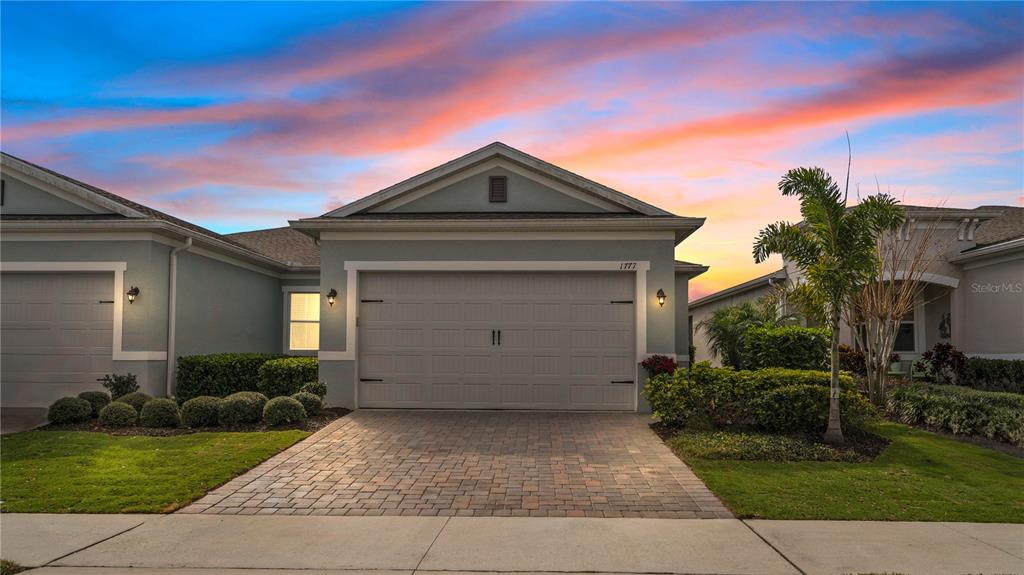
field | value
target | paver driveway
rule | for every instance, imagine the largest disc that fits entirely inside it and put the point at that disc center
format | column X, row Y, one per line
column 480, row 463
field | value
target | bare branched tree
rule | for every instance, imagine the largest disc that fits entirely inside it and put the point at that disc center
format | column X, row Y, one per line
column 906, row 256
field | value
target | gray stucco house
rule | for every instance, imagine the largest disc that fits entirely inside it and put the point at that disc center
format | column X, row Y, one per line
column 496, row 280
column 974, row 297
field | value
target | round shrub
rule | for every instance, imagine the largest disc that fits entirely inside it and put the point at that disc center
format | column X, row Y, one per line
column 241, row 407
column 200, row 411
column 281, row 410
column 310, row 402
column 69, row 410
column 161, row 412
column 135, row 399
column 98, row 400
column 118, row 414
column 317, row 388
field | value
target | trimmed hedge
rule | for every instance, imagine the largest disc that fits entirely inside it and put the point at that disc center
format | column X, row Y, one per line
column 69, row 410
column 287, row 375
column 310, row 402
column 994, row 374
column 200, row 411
column 804, row 408
column 281, row 410
column 960, row 410
column 118, row 414
column 160, row 412
column 98, row 400
column 317, row 388
column 219, row 374
column 241, row 407
column 724, row 397
column 135, row 399
column 788, row 346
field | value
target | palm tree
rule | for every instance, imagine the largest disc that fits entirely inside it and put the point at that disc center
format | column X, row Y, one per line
column 727, row 326
column 834, row 248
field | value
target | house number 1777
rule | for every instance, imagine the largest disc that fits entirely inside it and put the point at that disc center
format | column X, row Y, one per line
column 627, row 266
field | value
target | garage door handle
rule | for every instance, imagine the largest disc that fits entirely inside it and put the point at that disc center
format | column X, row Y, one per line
column 365, row 379
column 106, row 301
column 493, row 332
column 629, row 381
column 499, row 337
column 621, row 301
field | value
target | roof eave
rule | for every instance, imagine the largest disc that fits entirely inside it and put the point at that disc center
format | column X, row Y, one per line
column 749, row 285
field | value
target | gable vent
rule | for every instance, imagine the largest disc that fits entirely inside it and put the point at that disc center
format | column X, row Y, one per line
column 498, row 189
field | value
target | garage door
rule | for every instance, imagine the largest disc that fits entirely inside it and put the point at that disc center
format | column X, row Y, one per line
column 56, row 335
column 497, row 340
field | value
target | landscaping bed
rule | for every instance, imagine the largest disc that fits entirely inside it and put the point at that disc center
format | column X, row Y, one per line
column 310, row 424
column 86, row 472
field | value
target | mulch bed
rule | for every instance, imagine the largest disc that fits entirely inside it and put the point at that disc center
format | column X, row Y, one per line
column 311, row 424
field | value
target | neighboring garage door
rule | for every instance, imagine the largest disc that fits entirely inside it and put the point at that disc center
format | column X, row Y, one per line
column 497, row 340
column 56, row 335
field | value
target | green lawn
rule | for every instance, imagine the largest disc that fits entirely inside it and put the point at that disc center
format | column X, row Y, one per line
column 919, row 477
column 84, row 472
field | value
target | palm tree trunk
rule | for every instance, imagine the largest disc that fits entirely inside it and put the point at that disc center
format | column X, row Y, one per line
column 834, row 432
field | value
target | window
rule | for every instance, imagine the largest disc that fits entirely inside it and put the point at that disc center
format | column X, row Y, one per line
column 303, row 321
column 498, row 190
column 905, row 335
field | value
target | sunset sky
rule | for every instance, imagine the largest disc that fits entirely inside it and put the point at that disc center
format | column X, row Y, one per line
column 240, row 116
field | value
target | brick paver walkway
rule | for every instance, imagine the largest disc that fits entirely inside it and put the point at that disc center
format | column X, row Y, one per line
column 479, row 463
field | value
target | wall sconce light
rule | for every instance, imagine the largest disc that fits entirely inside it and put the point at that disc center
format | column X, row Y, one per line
column 661, row 298
column 332, row 296
column 132, row 294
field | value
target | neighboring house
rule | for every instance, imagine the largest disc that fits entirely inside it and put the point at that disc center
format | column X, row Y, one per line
column 974, row 296
column 496, row 280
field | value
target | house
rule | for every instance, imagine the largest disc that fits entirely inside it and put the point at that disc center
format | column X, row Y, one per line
column 974, row 297
column 496, row 280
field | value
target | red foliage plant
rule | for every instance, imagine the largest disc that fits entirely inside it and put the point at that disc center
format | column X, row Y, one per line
column 659, row 364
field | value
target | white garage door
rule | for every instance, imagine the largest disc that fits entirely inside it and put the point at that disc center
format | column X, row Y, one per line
column 56, row 335
column 497, row 340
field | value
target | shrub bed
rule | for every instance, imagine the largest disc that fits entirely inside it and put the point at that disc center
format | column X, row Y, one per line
column 776, row 398
column 994, row 374
column 789, row 346
column 98, row 400
column 135, row 399
column 200, row 411
column 160, row 412
column 959, row 410
column 310, row 402
column 240, row 408
column 118, row 414
column 219, row 374
column 281, row 410
column 69, row 410
column 287, row 375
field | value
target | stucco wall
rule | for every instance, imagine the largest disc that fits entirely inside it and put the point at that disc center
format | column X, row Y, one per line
column 661, row 322
column 471, row 195
column 22, row 198
column 226, row 308
column 991, row 304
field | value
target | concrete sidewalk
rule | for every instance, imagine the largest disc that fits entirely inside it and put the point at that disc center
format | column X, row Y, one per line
column 192, row 544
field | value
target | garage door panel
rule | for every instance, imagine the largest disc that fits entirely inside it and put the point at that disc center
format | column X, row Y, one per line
column 57, row 337
column 559, row 333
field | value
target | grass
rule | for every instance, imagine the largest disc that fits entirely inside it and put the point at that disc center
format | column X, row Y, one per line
column 919, row 477
column 83, row 472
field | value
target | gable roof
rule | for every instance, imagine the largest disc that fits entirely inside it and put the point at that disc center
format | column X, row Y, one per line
column 1007, row 226
column 125, row 212
column 283, row 244
column 749, row 285
column 510, row 154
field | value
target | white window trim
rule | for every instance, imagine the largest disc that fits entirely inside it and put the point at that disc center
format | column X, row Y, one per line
column 637, row 267
column 118, row 269
column 287, row 319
